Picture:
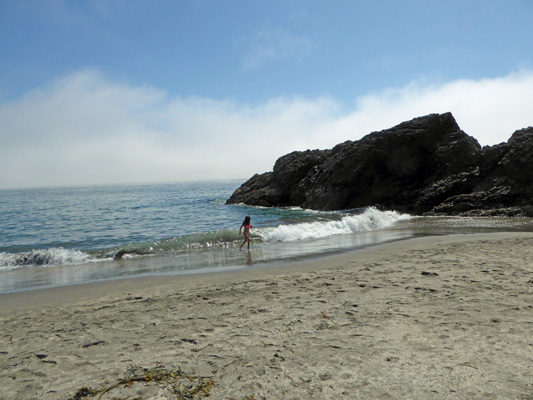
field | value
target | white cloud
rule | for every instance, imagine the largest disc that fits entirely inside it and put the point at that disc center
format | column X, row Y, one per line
column 488, row 109
column 84, row 129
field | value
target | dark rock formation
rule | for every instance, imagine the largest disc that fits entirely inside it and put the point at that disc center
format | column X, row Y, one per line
column 505, row 186
column 427, row 165
column 280, row 187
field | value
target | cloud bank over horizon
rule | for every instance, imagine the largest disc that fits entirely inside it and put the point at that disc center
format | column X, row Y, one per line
column 84, row 128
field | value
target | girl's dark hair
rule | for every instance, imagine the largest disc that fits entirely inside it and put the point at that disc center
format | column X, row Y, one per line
column 246, row 220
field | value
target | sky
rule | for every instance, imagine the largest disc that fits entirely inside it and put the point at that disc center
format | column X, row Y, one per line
column 130, row 91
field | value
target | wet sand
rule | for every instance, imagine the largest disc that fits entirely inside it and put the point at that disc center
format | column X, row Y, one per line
column 447, row 317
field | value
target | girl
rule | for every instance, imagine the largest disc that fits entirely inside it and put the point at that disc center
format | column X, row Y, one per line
column 246, row 225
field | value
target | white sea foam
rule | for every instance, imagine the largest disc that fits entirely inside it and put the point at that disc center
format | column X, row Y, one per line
column 45, row 257
column 371, row 219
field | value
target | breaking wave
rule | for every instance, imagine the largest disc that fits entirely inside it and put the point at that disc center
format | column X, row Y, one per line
column 328, row 224
column 44, row 257
column 370, row 219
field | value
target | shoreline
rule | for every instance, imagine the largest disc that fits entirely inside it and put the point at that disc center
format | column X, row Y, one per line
column 27, row 299
column 162, row 284
column 203, row 261
column 426, row 318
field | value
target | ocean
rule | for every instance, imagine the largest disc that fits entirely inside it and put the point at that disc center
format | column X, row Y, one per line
column 64, row 236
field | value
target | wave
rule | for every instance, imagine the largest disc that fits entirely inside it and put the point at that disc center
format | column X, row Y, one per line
column 213, row 239
column 61, row 256
column 44, row 257
column 370, row 219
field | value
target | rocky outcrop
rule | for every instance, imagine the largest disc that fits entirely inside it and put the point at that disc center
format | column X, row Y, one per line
column 426, row 165
column 281, row 186
column 506, row 184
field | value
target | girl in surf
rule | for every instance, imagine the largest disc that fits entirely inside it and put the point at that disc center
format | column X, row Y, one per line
column 246, row 225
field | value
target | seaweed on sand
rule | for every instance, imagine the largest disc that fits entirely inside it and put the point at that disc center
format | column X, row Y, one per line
column 178, row 383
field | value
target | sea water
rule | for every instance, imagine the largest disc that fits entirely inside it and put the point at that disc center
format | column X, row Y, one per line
column 61, row 236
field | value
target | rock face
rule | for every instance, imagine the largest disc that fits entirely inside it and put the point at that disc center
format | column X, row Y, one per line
column 426, row 165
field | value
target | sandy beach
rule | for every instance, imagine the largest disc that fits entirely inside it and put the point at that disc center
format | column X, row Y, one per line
column 448, row 317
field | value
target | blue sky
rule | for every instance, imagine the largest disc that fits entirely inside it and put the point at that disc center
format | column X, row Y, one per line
column 102, row 91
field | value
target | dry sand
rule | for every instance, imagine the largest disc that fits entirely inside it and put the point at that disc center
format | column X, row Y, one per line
column 432, row 318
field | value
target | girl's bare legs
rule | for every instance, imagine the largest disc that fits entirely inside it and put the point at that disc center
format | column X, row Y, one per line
column 246, row 239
